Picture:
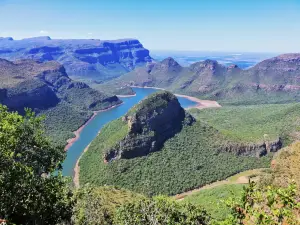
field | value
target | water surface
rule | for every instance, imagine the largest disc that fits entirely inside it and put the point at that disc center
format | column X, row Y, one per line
column 91, row 130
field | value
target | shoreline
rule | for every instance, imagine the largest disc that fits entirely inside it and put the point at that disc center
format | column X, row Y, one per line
column 125, row 96
column 77, row 132
column 77, row 168
column 201, row 104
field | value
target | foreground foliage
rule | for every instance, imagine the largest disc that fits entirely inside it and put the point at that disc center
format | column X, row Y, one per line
column 213, row 200
column 29, row 191
column 267, row 205
column 161, row 210
column 286, row 166
column 97, row 205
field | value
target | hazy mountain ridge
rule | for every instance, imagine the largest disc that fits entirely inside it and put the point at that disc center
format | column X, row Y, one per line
column 277, row 77
column 100, row 59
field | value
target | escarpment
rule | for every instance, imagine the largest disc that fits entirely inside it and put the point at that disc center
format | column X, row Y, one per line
column 87, row 58
column 150, row 124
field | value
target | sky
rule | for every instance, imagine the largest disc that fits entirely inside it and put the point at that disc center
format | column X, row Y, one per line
column 189, row 25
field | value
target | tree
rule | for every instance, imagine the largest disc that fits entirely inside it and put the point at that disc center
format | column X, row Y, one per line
column 160, row 210
column 266, row 205
column 32, row 189
column 97, row 205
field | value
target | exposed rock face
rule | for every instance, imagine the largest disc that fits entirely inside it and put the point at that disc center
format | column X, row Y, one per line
column 257, row 150
column 94, row 58
column 150, row 124
column 40, row 86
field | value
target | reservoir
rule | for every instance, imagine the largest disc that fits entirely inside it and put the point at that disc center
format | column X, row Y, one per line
column 91, row 130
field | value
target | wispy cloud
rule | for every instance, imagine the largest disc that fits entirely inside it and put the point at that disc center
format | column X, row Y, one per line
column 44, row 32
column 90, row 33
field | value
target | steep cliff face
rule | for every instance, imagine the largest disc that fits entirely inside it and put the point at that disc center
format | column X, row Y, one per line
column 150, row 124
column 41, row 86
column 88, row 58
column 257, row 150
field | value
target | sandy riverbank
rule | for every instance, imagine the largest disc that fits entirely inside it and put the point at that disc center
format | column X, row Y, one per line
column 78, row 131
column 77, row 168
column 125, row 96
column 201, row 104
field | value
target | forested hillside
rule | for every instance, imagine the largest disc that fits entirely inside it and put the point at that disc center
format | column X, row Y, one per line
column 47, row 89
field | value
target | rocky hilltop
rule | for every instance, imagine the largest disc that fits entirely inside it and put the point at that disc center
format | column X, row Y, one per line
column 271, row 81
column 40, row 86
column 87, row 58
column 148, row 125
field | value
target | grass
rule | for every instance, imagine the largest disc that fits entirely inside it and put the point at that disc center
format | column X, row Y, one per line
column 252, row 123
column 214, row 199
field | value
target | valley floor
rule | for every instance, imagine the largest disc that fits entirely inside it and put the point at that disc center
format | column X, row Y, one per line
column 240, row 178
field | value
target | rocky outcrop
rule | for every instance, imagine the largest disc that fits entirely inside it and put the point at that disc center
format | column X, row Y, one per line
column 150, row 124
column 41, row 86
column 257, row 150
column 92, row 58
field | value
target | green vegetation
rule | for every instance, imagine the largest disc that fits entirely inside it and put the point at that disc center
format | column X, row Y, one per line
column 191, row 159
column 161, row 210
column 62, row 120
column 112, row 133
column 214, row 200
column 266, row 205
column 30, row 192
column 98, row 205
column 253, row 123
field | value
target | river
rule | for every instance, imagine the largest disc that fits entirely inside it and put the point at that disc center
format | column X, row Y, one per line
column 91, row 130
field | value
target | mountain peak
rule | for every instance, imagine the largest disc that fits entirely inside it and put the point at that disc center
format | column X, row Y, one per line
column 170, row 62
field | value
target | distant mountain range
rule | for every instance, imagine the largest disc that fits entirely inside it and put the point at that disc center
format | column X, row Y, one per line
column 270, row 81
column 84, row 58
column 243, row 60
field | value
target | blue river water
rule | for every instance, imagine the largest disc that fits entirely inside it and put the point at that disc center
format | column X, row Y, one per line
column 91, row 130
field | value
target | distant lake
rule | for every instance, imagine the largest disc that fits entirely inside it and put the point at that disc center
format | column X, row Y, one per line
column 91, row 130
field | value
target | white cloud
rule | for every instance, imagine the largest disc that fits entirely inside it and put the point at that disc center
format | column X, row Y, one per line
column 44, row 32
column 90, row 33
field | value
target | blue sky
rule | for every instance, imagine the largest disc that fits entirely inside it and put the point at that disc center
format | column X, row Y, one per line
column 214, row 25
